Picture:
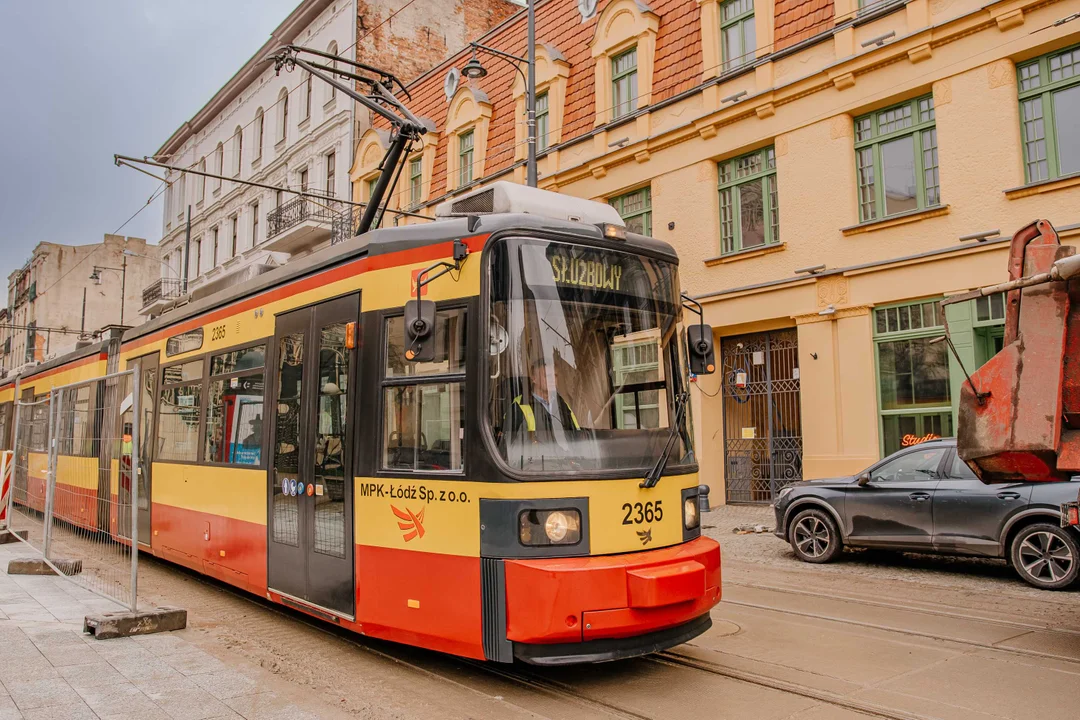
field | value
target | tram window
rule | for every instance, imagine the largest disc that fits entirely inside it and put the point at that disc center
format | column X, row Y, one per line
column 5, row 413
column 184, row 342
column 76, row 422
column 183, row 373
column 424, row 422
column 449, row 346
column 425, row 427
column 234, row 422
column 39, row 423
column 180, row 413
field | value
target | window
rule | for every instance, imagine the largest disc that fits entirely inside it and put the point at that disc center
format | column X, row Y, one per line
column 370, row 187
column 423, row 403
column 988, row 327
column 219, row 165
column 214, row 245
column 184, row 342
column 197, row 266
column 283, row 114
column 332, row 91
column 234, row 410
column 303, row 180
column 913, row 374
column 636, row 210
column 307, row 97
column 234, row 235
column 1050, row 115
column 179, row 413
column 416, row 180
column 201, row 183
column 921, row 464
column 76, row 417
column 254, row 224
column 181, row 196
column 542, row 117
column 238, row 146
column 331, row 170
column 259, row 118
column 624, row 91
column 737, row 39
column 749, row 202
column 896, row 159
column 465, row 158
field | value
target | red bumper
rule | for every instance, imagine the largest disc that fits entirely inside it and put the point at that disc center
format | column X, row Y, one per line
column 568, row 600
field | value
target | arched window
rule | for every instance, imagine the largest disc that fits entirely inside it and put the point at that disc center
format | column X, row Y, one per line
column 333, row 63
column 219, row 165
column 238, row 146
column 258, row 134
column 283, row 114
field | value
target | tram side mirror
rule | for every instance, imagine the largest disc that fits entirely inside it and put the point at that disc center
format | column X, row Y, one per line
column 420, row 330
column 699, row 344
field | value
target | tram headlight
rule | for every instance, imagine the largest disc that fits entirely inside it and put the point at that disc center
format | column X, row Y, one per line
column 550, row 527
column 691, row 519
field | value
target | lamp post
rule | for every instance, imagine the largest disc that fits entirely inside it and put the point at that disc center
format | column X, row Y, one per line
column 96, row 277
column 474, row 70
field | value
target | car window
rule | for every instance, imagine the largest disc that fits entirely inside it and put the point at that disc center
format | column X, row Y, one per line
column 960, row 470
column 917, row 465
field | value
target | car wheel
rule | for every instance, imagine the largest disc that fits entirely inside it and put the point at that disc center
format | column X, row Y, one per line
column 1046, row 556
column 814, row 536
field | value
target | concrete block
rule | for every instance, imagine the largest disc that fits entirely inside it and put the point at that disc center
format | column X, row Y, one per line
column 9, row 536
column 38, row 566
column 105, row 626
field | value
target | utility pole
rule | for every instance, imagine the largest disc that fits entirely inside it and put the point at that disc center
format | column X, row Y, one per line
column 187, row 251
column 530, row 97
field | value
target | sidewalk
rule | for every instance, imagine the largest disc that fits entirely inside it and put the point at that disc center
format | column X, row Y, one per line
column 50, row 669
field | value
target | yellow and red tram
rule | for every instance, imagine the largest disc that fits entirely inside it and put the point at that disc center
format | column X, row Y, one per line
column 477, row 490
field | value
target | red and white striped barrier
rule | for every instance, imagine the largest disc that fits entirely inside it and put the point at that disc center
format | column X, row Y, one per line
column 6, row 464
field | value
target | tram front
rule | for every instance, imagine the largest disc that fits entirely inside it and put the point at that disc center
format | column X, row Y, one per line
column 590, row 542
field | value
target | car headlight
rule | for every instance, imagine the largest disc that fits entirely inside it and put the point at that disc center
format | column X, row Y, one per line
column 691, row 519
column 784, row 492
column 550, row 527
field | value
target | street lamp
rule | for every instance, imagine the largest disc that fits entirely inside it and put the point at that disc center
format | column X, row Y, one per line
column 96, row 277
column 474, row 70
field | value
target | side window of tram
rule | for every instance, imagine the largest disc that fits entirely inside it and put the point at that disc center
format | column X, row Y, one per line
column 423, row 403
column 234, row 409
column 179, row 413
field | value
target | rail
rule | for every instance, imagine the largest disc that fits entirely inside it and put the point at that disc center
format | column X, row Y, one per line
column 162, row 289
column 298, row 210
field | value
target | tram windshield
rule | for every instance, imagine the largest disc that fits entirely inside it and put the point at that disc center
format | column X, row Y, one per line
column 584, row 360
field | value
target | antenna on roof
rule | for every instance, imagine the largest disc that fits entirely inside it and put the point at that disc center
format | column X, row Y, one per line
column 406, row 128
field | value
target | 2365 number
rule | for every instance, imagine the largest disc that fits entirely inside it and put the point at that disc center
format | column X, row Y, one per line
column 642, row 513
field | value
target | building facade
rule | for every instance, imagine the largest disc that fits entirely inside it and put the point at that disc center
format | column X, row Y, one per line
column 816, row 163
column 287, row 130
column 68, row 291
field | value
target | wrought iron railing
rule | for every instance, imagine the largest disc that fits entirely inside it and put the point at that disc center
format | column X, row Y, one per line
column 345, row 224
column 162, row 289
column 299, row 210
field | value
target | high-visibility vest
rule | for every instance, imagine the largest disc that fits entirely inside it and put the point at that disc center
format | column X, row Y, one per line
column 530, row 417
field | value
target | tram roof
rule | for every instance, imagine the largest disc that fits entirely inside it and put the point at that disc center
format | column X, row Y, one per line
column 389, row 240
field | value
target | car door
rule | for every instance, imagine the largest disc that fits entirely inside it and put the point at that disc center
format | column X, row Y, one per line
column 894, row 509
column 969, row 514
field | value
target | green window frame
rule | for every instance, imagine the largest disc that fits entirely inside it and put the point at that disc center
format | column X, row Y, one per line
column 896, row 160
column 416, row 180
column 540, row 109
column 465, row 158
column 1049, row 94
column 913, row 386
column 624, row 90
column 635, row 208
column 749, row 202
column 738, row 38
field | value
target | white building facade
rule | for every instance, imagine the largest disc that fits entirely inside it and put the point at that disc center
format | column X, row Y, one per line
column 289, row 131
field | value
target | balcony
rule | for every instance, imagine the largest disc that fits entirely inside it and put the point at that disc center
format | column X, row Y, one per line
column 158, row 294
column 300, row 224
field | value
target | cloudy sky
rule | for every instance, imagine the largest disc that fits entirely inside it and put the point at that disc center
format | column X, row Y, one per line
column 84, row 79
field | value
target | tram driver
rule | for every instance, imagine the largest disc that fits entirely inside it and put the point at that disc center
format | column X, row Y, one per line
column 539, row 415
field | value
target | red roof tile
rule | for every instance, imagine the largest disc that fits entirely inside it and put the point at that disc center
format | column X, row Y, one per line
column 797, row 20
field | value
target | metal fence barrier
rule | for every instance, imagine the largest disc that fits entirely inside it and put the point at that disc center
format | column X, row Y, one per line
column 73, row 489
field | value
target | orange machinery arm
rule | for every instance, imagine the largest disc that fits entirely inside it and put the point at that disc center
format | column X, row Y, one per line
column 1019, row 416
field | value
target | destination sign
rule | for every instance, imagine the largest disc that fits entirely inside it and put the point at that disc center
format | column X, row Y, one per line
column 598, row 272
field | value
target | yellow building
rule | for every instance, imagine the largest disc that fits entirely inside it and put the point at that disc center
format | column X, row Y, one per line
column 817, row 166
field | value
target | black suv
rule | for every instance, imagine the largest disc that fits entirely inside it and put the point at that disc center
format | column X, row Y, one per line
column 925, row 499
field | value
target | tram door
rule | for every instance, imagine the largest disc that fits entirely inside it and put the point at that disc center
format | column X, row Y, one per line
column 148, row 399
column 310, row 475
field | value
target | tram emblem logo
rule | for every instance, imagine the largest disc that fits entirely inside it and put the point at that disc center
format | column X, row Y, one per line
column 645, row 536
column 410, row 523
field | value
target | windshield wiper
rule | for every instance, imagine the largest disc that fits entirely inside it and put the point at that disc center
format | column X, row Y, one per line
column 653, row 476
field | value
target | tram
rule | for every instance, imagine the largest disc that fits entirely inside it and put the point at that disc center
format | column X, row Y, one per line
column 470, row 435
